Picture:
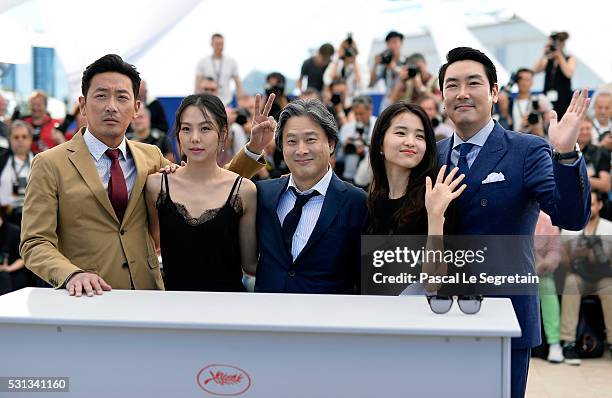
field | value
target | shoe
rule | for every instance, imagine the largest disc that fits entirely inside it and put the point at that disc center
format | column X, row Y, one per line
column 555, row 353
column 570, row 352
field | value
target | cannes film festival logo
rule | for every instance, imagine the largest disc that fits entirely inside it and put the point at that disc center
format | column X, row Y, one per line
column 224, row 380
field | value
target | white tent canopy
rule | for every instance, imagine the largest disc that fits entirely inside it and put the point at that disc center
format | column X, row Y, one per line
column 166, row 39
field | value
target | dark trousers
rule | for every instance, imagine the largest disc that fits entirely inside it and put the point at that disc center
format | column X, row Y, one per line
column 518, row 373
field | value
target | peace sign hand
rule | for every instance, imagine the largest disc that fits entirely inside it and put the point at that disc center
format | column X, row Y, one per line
column 438, row 197
column 564, row 134
column 264, row 126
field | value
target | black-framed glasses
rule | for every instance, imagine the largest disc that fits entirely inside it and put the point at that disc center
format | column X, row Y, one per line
column 467, row 304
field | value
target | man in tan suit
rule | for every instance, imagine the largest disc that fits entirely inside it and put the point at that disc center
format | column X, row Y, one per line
column 84, row 219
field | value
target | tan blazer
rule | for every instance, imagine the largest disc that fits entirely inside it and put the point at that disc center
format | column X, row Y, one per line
column 69, row 224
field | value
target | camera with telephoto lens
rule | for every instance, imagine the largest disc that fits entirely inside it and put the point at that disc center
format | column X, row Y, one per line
column 336, row 98
column 534, row 115
column 386, row 57
column 242, row 116
column 360, row 128
column 552, row 47
column 511, row 82
column 19, row 186
column 349, row 52
column 412, row 70
column 277, row 89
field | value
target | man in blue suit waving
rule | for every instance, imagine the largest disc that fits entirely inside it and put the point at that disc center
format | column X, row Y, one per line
column 308, row 223
column 510, row 176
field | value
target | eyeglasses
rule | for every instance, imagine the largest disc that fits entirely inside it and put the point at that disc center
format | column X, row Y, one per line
column 467, row 304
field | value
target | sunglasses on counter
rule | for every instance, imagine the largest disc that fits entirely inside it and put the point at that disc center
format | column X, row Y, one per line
column 467, row 304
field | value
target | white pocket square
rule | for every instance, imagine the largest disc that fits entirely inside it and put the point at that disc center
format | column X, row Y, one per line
column 494, row 177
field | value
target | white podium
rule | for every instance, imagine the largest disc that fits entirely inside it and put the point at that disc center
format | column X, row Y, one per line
column 193, row 344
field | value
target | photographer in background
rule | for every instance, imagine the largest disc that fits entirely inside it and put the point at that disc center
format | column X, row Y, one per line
column 44, row 128
column 345, row 67
column 314, row 68
column 208, row 85
column 144, row 132
column 355, row 138
column 15, row 166
column 559, row 69
column 13, row 274
column 415, row 81
column 275, row 84
column 441, row 128
column 387, row 64
column 3, row 124
column 589, row 253
column 597, row 159
column 602, row 112
column 334, row 98
column 526, row 112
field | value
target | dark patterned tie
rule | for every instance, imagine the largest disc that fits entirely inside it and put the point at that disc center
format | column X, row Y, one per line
column 117, row 188
column 292, row 219
column 464, row 149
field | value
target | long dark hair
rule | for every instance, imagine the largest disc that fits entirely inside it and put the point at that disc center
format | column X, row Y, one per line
column 415, row 190
column 208, row 104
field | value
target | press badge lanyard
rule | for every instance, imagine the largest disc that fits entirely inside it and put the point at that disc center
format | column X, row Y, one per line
column 217, row 72
column 18, row 173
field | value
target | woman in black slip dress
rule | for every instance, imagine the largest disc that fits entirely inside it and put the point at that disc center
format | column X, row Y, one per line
column 203, row 216
column 408, row 195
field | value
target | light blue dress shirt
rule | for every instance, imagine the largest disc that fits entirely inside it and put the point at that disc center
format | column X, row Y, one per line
column 477, row 139
column 97, row 150
column 310, row 211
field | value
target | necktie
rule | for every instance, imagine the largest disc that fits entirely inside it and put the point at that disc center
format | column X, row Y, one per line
column 117, row 188
column 292, row 218
column 464, row 149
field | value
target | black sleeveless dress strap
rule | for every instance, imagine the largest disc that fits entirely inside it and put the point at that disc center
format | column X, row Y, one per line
column 200, row 253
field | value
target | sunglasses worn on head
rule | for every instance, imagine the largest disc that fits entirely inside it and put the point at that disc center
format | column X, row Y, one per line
column 467, row 304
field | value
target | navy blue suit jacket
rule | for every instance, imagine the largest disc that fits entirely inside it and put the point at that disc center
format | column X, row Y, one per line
column 533, row 181
column 330, row 261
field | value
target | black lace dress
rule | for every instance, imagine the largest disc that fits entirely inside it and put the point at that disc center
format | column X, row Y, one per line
column 203, row 253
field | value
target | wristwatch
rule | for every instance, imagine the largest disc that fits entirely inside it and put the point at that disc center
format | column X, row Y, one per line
column 572, row 155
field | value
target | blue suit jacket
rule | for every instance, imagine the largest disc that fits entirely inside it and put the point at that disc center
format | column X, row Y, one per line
column 330, row 261
column 533, row 181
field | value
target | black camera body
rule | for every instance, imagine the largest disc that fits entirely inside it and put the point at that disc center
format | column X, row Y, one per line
column 412, row 71
column 277, row 89
column 19, row 186
column 534, row 115
column 554, row 45
column 242, row 116
column 336, row 99
column 349, row 52
column 386, row 57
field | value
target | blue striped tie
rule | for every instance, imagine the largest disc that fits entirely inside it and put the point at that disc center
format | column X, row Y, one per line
column 464, row 149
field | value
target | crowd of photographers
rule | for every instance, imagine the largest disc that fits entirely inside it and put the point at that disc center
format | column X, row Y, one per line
column 335, row 77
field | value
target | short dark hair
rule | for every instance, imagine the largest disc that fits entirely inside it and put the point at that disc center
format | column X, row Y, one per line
column 393, row 34
column 523, row 70
column 312, row 108
column 326, row 50
column 215, row 35
column 278, row 76
column 110, row 63
column 468, row 54
column 601, row 196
